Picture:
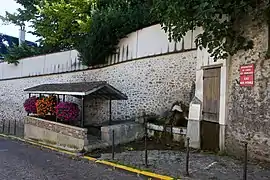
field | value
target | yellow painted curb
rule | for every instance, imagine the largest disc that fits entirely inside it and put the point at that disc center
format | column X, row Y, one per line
column 137, row 171
column 3, row 135
column 14, row 137
column 51, row 148
column 47, row 147
column 123, row 167
column 89, row 158
column 38, row 144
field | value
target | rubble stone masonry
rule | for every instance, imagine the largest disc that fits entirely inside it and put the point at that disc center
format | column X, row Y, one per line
column 60, row 128
column 249, row 107
column 151, row 84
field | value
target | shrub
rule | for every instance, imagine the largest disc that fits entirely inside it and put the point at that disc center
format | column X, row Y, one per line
column 30, row 105
column 16, row 52
column 67, row 111
column 111, row 21
column 46, row 105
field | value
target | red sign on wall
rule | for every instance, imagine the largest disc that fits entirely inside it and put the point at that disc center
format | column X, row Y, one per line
column 247, row 75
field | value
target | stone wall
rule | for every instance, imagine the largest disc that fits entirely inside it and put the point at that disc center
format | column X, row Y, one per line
column 123, row 133
column 248, row 108
column 57, row 127
column 152, row 84
column 56, row 134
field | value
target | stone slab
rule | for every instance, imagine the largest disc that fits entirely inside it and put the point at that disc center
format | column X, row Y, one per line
column 193, row 132
column 123, row 133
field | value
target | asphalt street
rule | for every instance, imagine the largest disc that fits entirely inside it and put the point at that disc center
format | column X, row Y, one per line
column 20, row 161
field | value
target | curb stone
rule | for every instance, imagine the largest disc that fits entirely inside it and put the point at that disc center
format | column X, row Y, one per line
column 149, row 175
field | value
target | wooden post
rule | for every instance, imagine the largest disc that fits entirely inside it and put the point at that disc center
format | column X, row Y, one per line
column 145, row 141
column 3, row 127
column 113, row 144
column 110, row 112
column 9, row 126
column 15, row 126
column 245, row 162
column 82, row 112
column 57, row 101
column 29, row 96
column 187, row 158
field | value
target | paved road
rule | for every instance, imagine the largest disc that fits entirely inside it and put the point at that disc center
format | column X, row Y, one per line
column 19, row 161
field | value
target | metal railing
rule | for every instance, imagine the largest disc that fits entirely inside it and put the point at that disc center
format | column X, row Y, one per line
column 16, row 128
column 187, row 162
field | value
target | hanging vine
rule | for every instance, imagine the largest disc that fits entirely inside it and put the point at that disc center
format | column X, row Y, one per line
column 219, row 19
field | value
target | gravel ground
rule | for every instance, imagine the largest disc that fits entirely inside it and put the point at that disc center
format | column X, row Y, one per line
column 19, row 161
column 202, row 166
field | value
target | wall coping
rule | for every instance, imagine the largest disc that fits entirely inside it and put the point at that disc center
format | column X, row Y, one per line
column 58, row 124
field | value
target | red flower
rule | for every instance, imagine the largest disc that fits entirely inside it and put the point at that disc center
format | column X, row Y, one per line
column 67, row 111
column 46, row 106
column 30, row 105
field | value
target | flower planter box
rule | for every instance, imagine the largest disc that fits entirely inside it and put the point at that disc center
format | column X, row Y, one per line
column 55, row 134
column 179, row 133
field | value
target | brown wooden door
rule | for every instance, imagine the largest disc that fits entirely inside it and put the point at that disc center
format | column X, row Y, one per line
column 210, row 110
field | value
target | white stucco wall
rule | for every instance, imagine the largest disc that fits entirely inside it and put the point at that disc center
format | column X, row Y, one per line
column 40, row 65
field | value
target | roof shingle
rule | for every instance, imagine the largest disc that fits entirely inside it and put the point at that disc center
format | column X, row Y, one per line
column 95, row 89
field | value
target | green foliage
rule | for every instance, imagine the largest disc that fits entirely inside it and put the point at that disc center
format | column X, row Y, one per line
column 56, row 22
column 95, row 27
column 111, row 21
column 23, row 15
column 219, row 19
column 61, row 22
column 14, row 53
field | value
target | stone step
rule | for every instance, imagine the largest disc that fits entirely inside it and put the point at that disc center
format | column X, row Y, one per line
column 95, row 142
column 96, row 145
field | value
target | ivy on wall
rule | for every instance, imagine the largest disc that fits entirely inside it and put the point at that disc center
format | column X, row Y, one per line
column 219, row 19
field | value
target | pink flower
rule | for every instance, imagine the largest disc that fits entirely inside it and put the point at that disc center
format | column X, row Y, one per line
column 30, row 105
column 67, row 111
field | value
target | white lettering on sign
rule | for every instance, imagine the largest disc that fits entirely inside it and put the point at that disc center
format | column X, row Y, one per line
column 247, row 75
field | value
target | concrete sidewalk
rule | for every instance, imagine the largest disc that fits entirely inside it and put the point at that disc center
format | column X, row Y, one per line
column 202, row 166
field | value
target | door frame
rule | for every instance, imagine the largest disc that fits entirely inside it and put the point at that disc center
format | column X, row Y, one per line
column 223, row 97
column 211, row 124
